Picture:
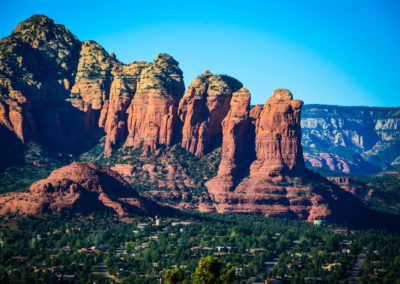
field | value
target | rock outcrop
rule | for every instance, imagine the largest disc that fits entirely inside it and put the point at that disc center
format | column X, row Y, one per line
column 38, row 63
column 153, row 110
column 202, row 110
column 78, row 187
column 278, row 138
column 255, row 112
column 272, row 186
column 237, row 146
column 66, row 94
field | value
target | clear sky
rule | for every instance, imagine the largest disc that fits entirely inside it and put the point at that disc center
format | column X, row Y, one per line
column 329, row 52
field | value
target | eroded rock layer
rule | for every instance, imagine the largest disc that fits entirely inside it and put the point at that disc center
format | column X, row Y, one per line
column 203, row 108
column 237, row 146
column 279, row 159
column 353, row 140
column 78, row 187
column 153, row 110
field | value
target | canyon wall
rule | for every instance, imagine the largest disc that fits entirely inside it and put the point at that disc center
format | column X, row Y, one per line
column 355, row 140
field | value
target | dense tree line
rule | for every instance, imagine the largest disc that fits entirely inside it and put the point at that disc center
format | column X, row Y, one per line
column 77, row 248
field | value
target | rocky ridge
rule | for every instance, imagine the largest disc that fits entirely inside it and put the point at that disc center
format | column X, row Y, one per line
column 65, row 93
column 78, row 187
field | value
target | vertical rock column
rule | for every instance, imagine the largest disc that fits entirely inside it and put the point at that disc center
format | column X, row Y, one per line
column 235, row 143
column 278, row 138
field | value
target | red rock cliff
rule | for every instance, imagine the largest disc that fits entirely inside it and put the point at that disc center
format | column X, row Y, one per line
column 61, row 92
column 202, row 109
column 236, row 143
column 278, row 137
column 278, row 157
column 153, row 110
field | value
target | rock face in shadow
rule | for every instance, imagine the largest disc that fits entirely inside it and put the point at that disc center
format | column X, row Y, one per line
column 38, row 65
column 203, row 108
column 78, row 187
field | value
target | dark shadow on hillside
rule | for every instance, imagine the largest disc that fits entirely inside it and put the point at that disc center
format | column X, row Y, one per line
column 348, row 210
column 11, row 148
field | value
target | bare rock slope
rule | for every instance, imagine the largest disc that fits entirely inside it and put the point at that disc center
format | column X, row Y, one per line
column 78, row 187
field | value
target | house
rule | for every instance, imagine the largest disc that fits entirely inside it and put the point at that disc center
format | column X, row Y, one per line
column 330, row 266
column 184, row 223
column 253, row 250
column 222, row 248
column 340, row 231
column 66, row 248
column 200, row 248
column 153, row 238
column 142, row 246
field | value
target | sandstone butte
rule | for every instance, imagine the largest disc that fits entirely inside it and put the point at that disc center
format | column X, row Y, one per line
column 278, row 157
column 79, row 187
column 66, row 94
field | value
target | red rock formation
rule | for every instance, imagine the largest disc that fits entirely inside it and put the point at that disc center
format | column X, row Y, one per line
column 350, row 184
column 202, row 110
column 15, row 111
column 278, row 137
column 113, row 114
column 60, row 91
column 235, row 128
column 37, row 61
column 278, row 157
column 332, row 162
column 78, row 187
column 255, row 112
column 153, row 110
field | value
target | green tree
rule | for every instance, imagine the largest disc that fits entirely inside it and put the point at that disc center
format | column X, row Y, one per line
column 172, row 276
column 228, row 275
column 208, row 271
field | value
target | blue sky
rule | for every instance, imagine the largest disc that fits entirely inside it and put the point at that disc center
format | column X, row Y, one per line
column 328, row 52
